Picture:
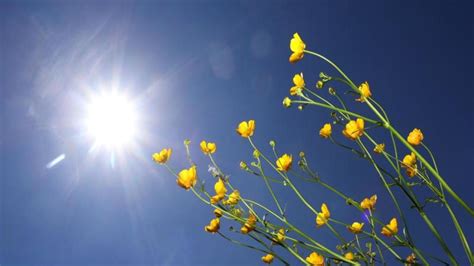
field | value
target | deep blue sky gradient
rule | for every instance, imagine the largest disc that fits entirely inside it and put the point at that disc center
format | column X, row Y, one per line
column 196, row 69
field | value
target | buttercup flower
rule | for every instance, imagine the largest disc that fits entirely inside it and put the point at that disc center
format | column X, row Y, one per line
column 391, row 228
column 249, row 226
column 208, row 148
column 355, row 227
column 267, row 258
column 218, row 212
column 409, row 162
column 213, row 226
column 245, row 129
column 233, row 199
column 349, row 255
column 284, row 162
column 299, row 84
column 297, row 46
column 379, row 148
column 187, row 178
column 315, row 259
column 280, row 237
column 364, row 91
column 323, row 216
column 354, row 129
column 163, row 156
column 411, row 259
column 415, row 137
column 287, row 102
column 326, row 131
column 220, row 190
column 369, row 204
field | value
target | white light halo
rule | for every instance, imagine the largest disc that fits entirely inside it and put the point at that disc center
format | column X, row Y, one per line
column 111, row 120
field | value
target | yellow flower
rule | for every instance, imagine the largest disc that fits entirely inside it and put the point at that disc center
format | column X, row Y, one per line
column 364, row 91
column 415, row 137
column 391, row 228
column 379, row 148
column 233, row 199
column 220, row 190
column 268, row 259
column 297, row 46
column 187, row 178
column 213, row 226
column 245, row 129
column 355, row 227
column 284, row 162
column 326, row 131
column 369, row 204
column 323, row 216
column 354, row 129
column 218, row 212
column 280, row 237
column 287, row 102
column 163, row 156
column 349, row 255
column 243, row 165
column 299, row 84
column 411, row 259
column 409, row 162
column 208, row 148
column 249, row 226
column 315, row 259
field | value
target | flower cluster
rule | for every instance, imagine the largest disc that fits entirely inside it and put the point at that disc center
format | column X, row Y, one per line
column 274, row 230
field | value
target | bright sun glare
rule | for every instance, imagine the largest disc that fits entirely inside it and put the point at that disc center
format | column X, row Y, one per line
column 111, row 120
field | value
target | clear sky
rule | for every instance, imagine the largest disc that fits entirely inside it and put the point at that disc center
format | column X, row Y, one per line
column 195, row 69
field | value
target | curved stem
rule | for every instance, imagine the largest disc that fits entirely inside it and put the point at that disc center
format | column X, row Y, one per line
column 402, row 139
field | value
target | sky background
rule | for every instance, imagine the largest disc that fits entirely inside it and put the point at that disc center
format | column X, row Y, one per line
column 195, row 69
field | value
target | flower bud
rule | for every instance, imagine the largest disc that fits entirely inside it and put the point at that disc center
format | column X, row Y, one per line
column 287, row 102
column 319, row 84
column 272, row 143
column 256, row 154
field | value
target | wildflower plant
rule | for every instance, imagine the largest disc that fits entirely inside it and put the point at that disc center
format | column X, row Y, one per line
column 402, row 162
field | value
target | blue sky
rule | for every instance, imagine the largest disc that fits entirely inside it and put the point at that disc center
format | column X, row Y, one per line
column 195, row 69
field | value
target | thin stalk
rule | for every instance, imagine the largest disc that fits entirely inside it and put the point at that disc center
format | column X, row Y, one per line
column 402, row 139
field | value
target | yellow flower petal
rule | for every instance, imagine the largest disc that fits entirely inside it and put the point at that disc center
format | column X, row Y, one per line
column 379, row 148
column 415, row 137
column 323, row 217
column 364, row 91
column 284, row 162
column 213, row 226
column 249, row 225
column 315, row 259
column 246, row 129
column 208, row 148
column 325, row 131
column 391, row 228
column 349, row 255
column 297, row 46
column 369, row 204
column 267, row 258
column 163, row 156
column 354, row 129
column 355, row 227
column 187, row 178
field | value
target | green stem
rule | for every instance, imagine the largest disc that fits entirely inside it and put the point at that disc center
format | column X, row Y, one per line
column 337, row 109
column 402, row 139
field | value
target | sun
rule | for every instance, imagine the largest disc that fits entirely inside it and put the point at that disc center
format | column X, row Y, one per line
column 111, row 120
